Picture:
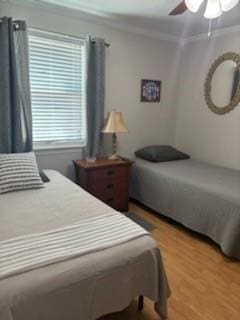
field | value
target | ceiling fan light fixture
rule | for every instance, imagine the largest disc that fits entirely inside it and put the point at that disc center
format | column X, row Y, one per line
column 193, row 5
column 213, row 9
column 227, row 5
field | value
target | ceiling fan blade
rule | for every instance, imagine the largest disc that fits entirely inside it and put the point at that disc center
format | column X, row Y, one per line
column 180, row 9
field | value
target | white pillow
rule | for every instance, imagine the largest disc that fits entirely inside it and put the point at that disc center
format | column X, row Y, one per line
column 19, row 171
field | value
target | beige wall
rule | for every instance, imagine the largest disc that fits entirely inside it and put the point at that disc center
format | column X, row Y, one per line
column 130, row 58
column 203, row 134
column 182, row 117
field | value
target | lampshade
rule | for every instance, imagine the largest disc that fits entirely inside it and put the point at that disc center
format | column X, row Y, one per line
column 213, row 9
column 193, row 5
column 115, row 123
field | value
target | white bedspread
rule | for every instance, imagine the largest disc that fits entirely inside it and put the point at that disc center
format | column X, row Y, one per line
column 86, row 286
column 89, row 235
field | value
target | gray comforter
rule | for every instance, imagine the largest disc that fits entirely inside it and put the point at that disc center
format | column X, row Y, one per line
column 203, row 197
column 85, row 287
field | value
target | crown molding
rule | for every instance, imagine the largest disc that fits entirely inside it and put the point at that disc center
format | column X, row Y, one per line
column 214, row 34
column 108, row 21
column 144, row 32
column 94, row 18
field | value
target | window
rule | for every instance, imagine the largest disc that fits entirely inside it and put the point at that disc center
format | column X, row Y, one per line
column 57, row 78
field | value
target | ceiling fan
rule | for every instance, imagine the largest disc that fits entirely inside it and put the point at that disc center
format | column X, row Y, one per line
column 214, row 8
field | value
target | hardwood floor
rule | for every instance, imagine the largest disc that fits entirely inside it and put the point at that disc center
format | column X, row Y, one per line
column 205, row 284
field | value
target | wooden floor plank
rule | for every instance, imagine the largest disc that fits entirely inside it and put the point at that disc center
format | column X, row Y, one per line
column 205, row 284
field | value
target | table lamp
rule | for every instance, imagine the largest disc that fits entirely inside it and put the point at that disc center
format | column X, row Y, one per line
column 114, row 125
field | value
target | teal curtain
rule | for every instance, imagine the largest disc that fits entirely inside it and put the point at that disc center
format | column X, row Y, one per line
column 95, row 94
column 15, row 100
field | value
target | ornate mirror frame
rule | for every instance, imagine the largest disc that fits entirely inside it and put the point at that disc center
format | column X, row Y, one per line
column 208, row 84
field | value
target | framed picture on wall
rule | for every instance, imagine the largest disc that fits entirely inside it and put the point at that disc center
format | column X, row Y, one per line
column 150, row 90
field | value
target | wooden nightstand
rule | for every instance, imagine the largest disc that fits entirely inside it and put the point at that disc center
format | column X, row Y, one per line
column 106, row 179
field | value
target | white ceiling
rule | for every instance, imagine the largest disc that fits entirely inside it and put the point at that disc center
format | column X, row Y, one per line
column 148, row 15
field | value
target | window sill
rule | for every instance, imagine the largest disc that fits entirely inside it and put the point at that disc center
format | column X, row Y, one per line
column 59, row 147
column 54, row 149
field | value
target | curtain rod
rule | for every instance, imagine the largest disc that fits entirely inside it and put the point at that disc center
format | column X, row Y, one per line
column 16, row 23
column 107, row 44
column 13, row 21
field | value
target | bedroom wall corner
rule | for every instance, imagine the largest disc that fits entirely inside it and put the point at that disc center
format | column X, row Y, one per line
column 200, row 132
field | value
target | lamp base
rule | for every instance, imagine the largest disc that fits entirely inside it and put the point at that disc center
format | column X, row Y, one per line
column 114, row 155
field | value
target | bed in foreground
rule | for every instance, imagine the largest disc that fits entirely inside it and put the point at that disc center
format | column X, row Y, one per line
column 80, row 287
column 201, row 196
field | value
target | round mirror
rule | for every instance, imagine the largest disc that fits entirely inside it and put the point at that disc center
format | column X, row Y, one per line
column 222, row 86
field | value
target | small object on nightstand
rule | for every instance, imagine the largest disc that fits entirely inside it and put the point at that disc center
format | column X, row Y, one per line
column 114, row 125
column 106, row 179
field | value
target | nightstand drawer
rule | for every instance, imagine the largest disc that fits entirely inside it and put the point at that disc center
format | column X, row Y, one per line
column 116, row 201
column 108, row 187
column 108, row 174
column 106, row 179
column 113, row 192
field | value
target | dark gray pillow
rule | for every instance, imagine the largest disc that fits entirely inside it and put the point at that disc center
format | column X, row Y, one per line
column 43, row 176
column 160, row 154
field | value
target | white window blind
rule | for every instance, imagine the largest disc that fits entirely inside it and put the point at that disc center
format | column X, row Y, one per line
column 57, row 78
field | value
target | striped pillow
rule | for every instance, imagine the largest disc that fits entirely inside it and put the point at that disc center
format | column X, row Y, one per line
column 19, row 171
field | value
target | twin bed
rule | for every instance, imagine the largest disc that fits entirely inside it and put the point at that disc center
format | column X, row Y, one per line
column 201, row 196
column 87, row 285
column 66, row 255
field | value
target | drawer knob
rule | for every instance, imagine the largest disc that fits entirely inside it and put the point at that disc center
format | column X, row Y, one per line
column 110, row 172
column 110, row 186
